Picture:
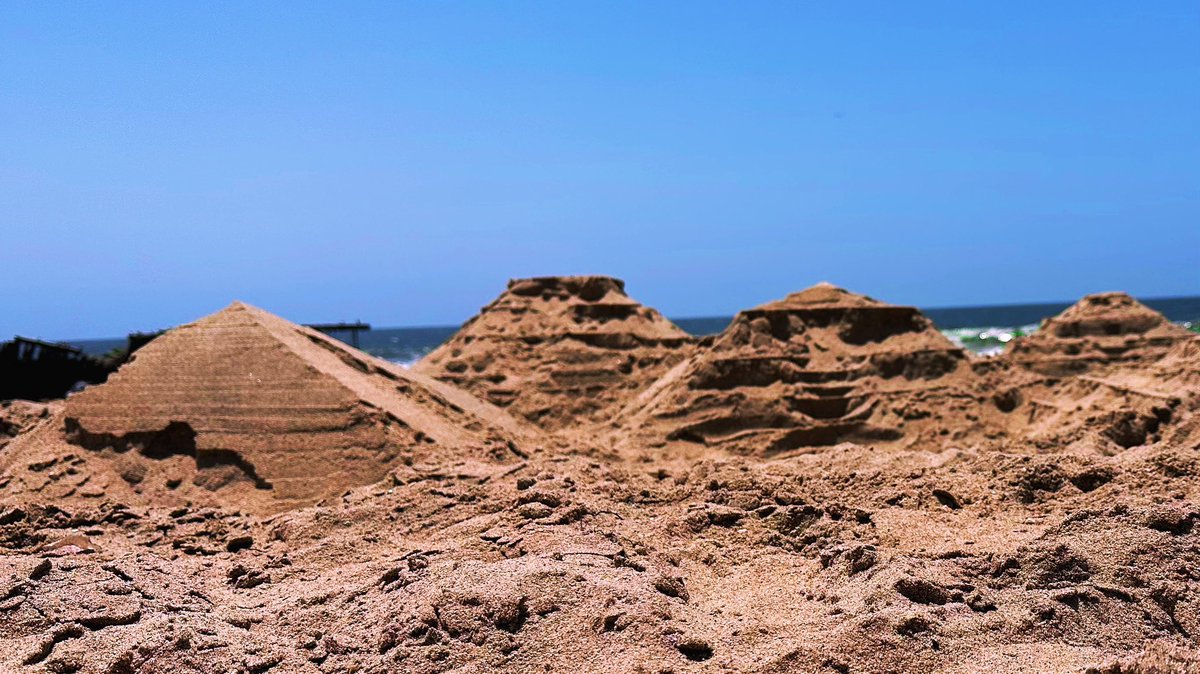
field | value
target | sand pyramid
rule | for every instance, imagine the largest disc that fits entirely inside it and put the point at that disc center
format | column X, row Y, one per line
column 251, row 397
column 1100, row 329
column 560, row 350
column 818, row 367
column 1107, row 374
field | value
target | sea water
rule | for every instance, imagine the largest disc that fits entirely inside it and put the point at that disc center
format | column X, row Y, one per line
column 984, row 330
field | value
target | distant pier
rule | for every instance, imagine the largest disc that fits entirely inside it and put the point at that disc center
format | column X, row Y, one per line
column 353, row 328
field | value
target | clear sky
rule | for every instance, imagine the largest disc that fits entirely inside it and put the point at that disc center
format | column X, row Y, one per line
column 397, row 162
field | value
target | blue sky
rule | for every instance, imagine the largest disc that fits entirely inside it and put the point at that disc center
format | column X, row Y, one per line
column 397, row 162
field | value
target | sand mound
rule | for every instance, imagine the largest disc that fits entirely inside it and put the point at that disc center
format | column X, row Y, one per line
column 19, row 416
column 1098, row 330
column 818, row 367
column 1131, row 404
column 1106, row 375
column 245, row 399
column 560, row 351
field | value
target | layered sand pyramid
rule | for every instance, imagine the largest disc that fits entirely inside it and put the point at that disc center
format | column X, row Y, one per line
column 1107, row 374
column 252, row 398
column 1097, row 330
column 560, row 350
column 818, row 367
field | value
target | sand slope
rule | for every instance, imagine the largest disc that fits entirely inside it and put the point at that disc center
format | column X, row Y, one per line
column 1095, row 332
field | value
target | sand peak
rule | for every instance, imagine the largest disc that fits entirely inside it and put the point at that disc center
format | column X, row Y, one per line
column 244, row 396
column 560, row 350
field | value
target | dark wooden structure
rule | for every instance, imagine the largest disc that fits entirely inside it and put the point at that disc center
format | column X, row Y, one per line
column 353, row 328
column 36, row 370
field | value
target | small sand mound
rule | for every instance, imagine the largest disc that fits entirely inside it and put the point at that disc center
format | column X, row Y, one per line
column 1163, row 398
column 1098, row 330
column 243, row 399
column 560, row 351
column 819, row 367
column 1108, row 374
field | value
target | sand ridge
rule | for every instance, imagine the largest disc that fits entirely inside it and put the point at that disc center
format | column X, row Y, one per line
column 19, row 416
column 1107, row 373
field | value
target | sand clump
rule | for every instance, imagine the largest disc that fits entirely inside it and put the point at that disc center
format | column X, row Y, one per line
column 940, row 524
column 560, row 351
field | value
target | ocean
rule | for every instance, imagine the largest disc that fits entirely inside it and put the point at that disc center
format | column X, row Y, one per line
column 983, row 329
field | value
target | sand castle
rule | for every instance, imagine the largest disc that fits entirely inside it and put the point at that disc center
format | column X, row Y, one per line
column 559, row 351
column 819, row 367
column 1107, row 374
column 1096, row 331
column 251, row 398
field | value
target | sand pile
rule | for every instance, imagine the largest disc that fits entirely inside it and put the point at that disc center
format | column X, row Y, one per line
column 560, row 351
column 1178, row 373
column 247, row 401
column 1106, row 375
column 819, row 367
column 1100, row 329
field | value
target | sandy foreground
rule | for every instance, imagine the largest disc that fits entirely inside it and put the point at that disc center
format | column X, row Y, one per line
column 572, row 483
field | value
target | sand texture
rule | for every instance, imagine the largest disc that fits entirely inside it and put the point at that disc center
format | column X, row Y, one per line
column 19, row 416
column 828, row 486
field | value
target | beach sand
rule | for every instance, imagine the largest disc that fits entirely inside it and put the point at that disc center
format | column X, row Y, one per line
column 572, row 483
